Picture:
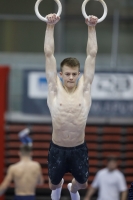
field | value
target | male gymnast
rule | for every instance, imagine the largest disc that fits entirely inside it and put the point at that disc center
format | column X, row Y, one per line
column 26, row 173
column 69, row 104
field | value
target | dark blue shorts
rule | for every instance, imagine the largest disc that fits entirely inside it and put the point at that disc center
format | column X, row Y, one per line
column 62, row 160
column 130, row 193
column 29, row 197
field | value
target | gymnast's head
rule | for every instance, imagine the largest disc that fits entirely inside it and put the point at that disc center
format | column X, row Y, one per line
column 69, row 71
column 25, row 151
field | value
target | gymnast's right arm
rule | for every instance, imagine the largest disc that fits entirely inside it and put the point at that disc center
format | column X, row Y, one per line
column 7, row 180
column 51, row 71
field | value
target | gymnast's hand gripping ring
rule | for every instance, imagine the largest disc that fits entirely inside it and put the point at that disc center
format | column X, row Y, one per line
column 104, row 14
column 44, row 18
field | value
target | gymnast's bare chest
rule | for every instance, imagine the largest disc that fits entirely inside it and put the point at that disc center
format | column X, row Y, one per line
column 69, row 105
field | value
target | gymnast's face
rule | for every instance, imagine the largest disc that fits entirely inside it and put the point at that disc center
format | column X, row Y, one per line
column 69, row 76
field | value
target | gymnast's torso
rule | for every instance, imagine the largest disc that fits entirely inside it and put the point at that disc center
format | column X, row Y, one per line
column 69, row 113
column 26, row 175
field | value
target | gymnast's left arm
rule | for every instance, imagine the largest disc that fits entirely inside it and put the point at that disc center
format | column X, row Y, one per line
column 89, row 68
column 7, row 180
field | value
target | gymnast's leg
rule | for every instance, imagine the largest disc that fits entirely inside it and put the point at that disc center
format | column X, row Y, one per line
column 56, row 190
column 74, row 187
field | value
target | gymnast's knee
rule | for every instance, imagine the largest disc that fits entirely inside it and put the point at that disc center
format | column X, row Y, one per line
column 84, row 185
column 80, row 185
column 54, row 187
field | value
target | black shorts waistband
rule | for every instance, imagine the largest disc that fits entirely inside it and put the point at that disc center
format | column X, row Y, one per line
column 26, row 197
column 68, row 148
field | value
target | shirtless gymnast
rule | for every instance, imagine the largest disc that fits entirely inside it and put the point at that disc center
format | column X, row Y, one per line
column 69, row 104
column 26, row 174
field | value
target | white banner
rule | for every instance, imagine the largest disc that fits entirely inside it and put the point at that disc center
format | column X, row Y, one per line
column 112, row 86
column 106, row 86
column 37, row 85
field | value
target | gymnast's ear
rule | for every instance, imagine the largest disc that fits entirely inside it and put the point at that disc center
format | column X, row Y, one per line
column 60, row 73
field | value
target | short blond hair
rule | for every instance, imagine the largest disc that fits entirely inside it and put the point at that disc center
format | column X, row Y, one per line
column 70, row 62
column 25, row 149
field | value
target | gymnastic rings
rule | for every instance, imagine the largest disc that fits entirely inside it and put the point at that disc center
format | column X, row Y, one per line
column 44, row 18
column 104, row 14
